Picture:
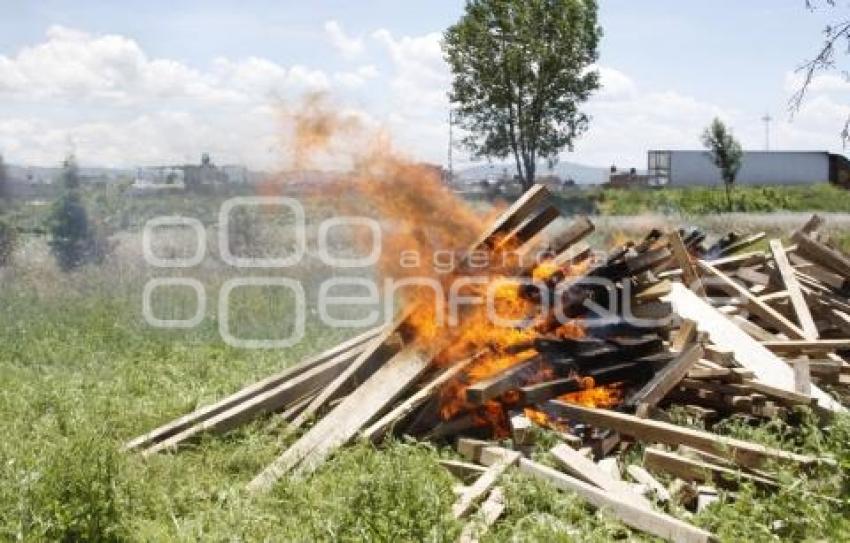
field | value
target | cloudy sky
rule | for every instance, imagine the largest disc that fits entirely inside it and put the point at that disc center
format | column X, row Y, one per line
column 134, row 83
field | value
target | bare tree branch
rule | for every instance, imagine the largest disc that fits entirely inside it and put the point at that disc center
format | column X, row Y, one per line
column 824, row 61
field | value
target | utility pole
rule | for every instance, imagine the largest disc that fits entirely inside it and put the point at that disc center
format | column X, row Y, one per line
column 766, row 119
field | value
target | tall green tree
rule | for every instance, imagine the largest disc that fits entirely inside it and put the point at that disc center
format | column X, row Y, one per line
column 725, row 152
column 73, row 240
column 521, row 69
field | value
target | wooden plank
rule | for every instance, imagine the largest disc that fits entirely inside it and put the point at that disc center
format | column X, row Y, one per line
column 193, row 418
column 756, row 306
column 686, row 335
column 490, row 511
column 743, row 259
column 767, row 367
column 756, row 278
column 289, row 391
column 585, row 469
column 818, row 273
column 379, row 428
column 476, row 491
column 740, row 244
column 683, row 258
column 653, row 292
column 743, row 452
column 699, row 471
column 530, row 227
column 645, row 478
column 812, row 225
column 754, row 330
column 294, row 408
column 789, row 280
column 786, row 397
column 579, row 228
column 818, row 346
column 639, row 518
column 559, row 246
column 496, row 385
column 275, row 399
column 667, row 378
column 359, row 370
column 464, row 471
column 346, row 420
column 522, row 429
column 513, row 216
column 822, row 255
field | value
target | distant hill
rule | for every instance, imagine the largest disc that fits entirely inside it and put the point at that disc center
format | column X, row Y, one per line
column 580, row 173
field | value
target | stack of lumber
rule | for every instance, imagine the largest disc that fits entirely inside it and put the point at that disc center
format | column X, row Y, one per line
column 663, row 321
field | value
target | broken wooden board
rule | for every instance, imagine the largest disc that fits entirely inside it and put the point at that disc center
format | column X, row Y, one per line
column 683, row 258
column 269, row 401
column 575, row 464
column 496, row 385
column 789, row 281
column 476, row 491
column 699, row 471
column 646, row 520
column 379, row 428
column 667, row 377
column 489, row 513
column 756, row 306
column 822, row 255
column 819, row 346
column 745, row 453
column 520, row 210
column 767, row 367
column 208, row 411
column 645, row 478
column 346, row 419
column 372, row 357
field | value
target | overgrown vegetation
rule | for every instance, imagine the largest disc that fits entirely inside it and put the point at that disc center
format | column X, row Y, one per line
column 709, row 200
column 82, row 372
column 8, row 242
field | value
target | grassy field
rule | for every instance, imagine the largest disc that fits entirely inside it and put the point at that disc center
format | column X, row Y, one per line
column 708, row 200
column 80, row 372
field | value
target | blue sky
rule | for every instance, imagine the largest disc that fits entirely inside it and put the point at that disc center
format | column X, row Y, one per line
column 127, row 83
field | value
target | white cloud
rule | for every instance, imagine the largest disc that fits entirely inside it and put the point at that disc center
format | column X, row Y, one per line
column 121, row 107
column 74, row 65
column 357, row 78
column 615, row 84
column 132, row 109
column 347, row 46
column 421, row 76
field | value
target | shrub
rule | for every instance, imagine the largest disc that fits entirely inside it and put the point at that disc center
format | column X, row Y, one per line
column 77, row 493
column 8, row 242
column 74, row 240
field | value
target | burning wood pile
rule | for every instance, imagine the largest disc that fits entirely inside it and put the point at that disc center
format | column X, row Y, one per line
column 589, row 347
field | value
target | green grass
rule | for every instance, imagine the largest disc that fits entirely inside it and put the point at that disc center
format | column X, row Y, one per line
column 709, row 200
column 81, row 374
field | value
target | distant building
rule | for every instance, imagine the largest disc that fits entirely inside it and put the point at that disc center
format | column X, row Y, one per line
column 695, row 168
column 235, row 175
column 624, row 179
column 159, row 177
